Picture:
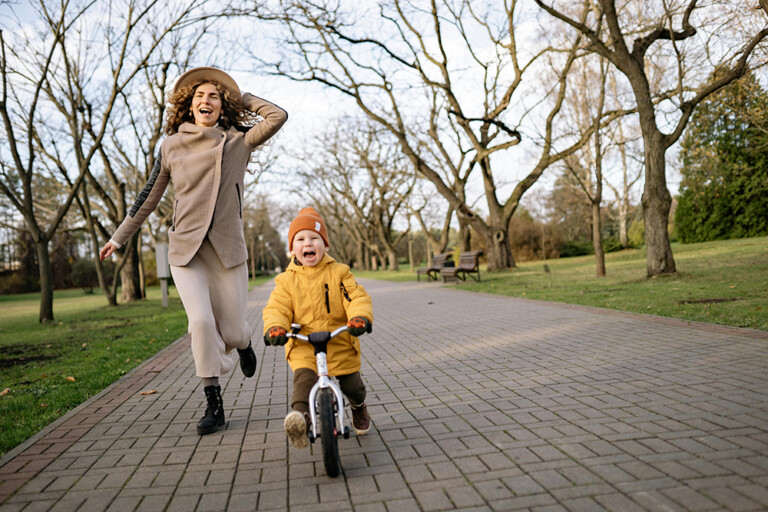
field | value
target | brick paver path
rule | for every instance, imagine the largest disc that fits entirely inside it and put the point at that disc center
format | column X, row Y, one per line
column 479, row 403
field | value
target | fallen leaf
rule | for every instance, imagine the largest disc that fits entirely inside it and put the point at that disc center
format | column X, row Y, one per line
column 85, row 345
column 149, row 392
column 71, row 379
column 128, row 360
column 5, row 391
column 43, row 405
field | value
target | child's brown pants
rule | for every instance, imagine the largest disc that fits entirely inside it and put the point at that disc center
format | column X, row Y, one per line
column 304, row 378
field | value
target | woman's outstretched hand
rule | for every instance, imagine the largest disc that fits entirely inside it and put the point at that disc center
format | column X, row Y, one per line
column 107, row 250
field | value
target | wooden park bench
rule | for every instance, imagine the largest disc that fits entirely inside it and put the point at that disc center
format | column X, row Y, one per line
column 438, row 262
column 469, row 264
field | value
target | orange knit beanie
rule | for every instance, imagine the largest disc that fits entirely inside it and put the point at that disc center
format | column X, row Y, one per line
column 308, row 218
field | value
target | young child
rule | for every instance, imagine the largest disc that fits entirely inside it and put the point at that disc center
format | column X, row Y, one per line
column 320, row 294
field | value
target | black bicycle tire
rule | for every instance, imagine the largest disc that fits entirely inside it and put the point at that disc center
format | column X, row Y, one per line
column 328, row 433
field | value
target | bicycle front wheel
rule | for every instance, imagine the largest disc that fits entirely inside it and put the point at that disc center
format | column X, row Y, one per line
column 328, row 432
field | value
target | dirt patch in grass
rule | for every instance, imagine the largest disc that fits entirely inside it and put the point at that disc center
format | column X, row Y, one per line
column 9, row 362
column 711, row 301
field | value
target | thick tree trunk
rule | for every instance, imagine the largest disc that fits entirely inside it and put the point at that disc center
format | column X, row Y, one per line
column 497, row 250
column 46, row 280
column 465, row 237
column 130, row 277
column 656, row 205
column 597, row 240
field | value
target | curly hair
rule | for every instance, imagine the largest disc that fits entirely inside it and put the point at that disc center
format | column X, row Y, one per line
column 233, row 113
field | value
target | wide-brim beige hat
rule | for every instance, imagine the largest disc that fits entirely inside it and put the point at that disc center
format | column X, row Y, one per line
column 202, row 74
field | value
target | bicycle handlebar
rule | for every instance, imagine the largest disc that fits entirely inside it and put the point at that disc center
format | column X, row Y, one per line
column 319, row 336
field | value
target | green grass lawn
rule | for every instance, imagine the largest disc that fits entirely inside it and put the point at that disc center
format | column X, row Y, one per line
column 52, row 368
column 48, row 369
column 723, row 282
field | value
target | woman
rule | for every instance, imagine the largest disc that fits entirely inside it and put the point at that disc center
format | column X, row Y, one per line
column 212, row 130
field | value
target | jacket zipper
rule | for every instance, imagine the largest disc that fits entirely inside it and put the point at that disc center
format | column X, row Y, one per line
column 344, row 291
column 327, row 302
column 239, row 200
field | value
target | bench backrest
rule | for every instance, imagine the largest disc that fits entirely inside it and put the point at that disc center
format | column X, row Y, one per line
column 438, row 260
column 470, row 259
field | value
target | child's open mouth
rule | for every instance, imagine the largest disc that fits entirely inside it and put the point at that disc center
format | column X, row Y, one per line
column 310, row 254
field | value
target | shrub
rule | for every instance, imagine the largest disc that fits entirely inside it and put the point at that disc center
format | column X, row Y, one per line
column 575, row 248
column 83, row 275
column 636, row 233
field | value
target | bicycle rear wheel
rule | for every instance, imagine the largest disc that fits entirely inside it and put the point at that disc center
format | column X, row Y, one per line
column 328, row 433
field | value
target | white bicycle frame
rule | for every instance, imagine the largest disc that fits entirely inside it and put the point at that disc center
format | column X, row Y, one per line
column 323, row 381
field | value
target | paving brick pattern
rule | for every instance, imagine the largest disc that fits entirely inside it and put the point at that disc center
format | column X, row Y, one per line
column 479, row 403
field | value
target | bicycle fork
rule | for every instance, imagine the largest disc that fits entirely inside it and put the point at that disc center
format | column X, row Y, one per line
column 324, row 381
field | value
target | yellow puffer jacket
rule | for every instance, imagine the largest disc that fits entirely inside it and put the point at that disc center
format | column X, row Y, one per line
column 320, row 298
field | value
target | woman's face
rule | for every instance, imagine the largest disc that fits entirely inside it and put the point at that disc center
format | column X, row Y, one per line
column 206, row 105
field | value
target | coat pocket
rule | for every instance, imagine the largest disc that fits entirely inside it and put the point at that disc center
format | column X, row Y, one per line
column 239, row 200
column 175, row 210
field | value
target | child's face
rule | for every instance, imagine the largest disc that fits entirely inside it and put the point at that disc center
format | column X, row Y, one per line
column 308, row 247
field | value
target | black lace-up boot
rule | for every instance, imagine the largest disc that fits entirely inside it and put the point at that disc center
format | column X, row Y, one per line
column 214, row 413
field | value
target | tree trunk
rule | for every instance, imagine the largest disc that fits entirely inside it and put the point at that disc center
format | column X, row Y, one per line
column 130, row 278
column 253, row 259
column 46, row 280
column 623, row 215
column 656, row 205
column 465, row 236
column 142, row 275
column 360, row 259
column 497, row 250
column 410, row 252
column 597, row 240
column 393, row 263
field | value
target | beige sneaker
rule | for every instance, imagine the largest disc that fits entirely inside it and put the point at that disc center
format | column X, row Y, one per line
column 361, row 422
column 296, row 428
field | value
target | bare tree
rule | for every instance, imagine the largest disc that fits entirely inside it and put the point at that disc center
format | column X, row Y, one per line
column 23, row 82
column 93, row 114
column 359, row 178
column 586, row 165
column 681, row 40
column 624, row 142
column 424, row 209
column 468, row 65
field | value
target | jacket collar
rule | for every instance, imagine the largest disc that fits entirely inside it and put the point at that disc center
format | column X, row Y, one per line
column 193, row 128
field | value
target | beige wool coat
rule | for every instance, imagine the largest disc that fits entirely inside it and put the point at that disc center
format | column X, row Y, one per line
column 207, row 167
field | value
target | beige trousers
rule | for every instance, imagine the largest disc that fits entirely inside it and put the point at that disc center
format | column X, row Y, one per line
column 215, row 300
